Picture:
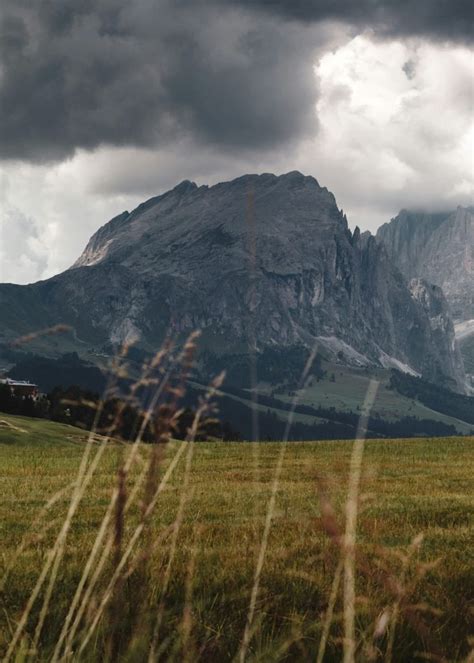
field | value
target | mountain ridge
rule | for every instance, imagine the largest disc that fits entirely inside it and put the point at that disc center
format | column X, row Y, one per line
column 257, row 262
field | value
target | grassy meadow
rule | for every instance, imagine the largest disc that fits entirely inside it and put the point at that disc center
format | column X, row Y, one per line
column 219, row 569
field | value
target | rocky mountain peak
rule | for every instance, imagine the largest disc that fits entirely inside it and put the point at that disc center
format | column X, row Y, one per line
column 257, row 204
column 186, row 186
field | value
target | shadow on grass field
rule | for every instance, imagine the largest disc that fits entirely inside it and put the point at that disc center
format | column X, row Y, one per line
column 184, row 592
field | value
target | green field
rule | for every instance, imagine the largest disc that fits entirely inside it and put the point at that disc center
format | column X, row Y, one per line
column 212, row 514
column 347, row 389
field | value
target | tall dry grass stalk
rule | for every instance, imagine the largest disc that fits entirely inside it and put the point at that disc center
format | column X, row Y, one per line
column 54, row 557
column 154, row 487
column 156, row 365
column 252, row 335
column 270, row 511
column 352, row 503
column 329, row 614
column 394, row 614
column 204, row 407
column 109, row 545
column 188, row 647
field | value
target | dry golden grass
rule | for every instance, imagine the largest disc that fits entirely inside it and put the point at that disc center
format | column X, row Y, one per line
column 193, row 565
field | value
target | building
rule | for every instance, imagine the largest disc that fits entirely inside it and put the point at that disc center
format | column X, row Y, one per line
column 21, row 388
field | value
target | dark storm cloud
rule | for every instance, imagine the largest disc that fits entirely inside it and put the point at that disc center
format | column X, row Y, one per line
column 81, row 74
column 438, row 19
column 233, row 74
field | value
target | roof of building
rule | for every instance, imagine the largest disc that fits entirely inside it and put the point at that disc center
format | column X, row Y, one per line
column 17, row 383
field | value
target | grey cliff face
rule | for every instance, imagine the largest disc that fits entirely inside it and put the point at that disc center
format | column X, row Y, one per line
column 438, row 248
column 259, row 262
column 433, row 302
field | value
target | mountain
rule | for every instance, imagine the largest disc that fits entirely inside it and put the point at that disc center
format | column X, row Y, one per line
column 262, row 264
column 438, row 248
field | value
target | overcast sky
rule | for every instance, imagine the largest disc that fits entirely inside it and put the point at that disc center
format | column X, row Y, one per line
column 104, row 103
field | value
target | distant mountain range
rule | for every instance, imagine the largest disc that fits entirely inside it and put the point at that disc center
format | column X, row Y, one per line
column 261, row 264
column 438, row 248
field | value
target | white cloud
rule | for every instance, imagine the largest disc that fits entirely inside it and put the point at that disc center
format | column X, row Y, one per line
column 47, row 216
column 23, row 255
column 389, row 140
